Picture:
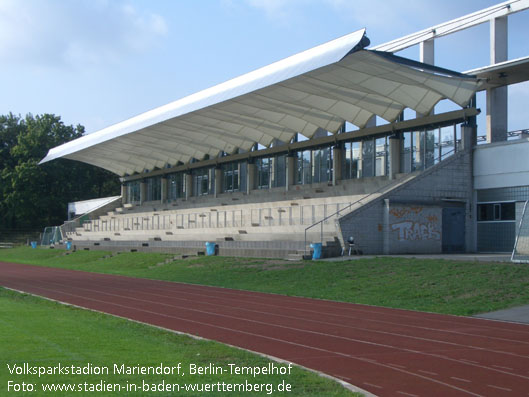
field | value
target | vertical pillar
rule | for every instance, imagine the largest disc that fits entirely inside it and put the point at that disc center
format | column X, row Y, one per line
column 427, row 52
column 124, row 197
column 218, row 181
column 468, row 137
column 385, row 229
column 497, row 97
column 337, row 162
column 360, row 159
column 188, row 186
column 163, row 190
column 291, row 169
column 250, row 178
column 394, row 155
column 143, row 192
column 426, row 55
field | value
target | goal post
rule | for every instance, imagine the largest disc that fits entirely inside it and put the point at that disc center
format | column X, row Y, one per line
column 520, row 252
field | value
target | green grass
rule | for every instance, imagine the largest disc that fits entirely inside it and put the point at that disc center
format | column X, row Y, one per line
column 442, row 286
column 45, row 333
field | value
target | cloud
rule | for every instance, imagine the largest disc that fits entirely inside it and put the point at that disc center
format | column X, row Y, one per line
column 279, row 10
column 75, row 33
column 384, row 16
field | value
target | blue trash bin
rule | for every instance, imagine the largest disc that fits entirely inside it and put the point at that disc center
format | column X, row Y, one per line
column 68, row 245
column 316, row 254
column 210, row 248
column 33, row 244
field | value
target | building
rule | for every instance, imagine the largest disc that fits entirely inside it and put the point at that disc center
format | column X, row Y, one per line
column 316, row 148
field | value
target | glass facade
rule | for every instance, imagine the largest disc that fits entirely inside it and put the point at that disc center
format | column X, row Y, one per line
column 422, row 149
column 230, row 177
column 201, row 181
column 154, row 188
column 313, row 166
column 352, row 160
column 133, row 192
column 175, row 186
column 364, row 157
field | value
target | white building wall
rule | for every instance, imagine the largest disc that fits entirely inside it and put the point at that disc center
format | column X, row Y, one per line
column 501, row 164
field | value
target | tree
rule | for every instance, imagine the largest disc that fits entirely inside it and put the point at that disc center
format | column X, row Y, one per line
column 35, row 196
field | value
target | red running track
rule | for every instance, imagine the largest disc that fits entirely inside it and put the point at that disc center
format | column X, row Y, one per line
column 388, row 352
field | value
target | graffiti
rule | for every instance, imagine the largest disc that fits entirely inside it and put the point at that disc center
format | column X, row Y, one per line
column 400, row 212
column 409, row 230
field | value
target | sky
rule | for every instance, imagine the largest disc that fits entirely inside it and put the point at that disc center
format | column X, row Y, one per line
column 99, row 62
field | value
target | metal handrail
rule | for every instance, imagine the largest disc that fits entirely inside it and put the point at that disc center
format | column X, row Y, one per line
column 322, row 221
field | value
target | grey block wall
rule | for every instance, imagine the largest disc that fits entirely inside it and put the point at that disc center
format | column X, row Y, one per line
column 446, row 184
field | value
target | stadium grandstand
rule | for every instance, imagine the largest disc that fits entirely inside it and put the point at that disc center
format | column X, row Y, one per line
column 316, row 148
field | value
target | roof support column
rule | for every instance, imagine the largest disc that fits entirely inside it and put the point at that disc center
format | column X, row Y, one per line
column 426, row 55
column 218, row 182
column 394, row 155
column 291, row 164
column 250, row 178
column 163, row 190
column 188, row 186
column 143, row 192
column 124, row 198
column 337, row 161
column 497, row 97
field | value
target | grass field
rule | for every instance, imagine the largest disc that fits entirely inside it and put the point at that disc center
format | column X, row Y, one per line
column 431, row 285
column 44, row 333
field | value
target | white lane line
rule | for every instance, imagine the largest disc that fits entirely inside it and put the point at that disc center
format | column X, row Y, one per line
column 499, row 388
column 321, row 322
column 407, row 394
column 327, row 323
column 397, row 365
column 294, row 329
column 253, row 334
column 372, row 385
column 427, row 372
column 502, row 367
column 461, row 379
column 469, row 361
column 236, row 296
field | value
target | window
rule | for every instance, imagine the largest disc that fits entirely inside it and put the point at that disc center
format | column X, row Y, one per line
column 154, row 188
column 133, row 192
column 368, row 158
column 417, row 150
column 200, row 181
column 230, row 174
column 488, row 212
column 303, row 167
column 447, row 142
column 175, row 184
column 431, row 137
column 279, row 171
column 405, row 153
column 381, row 160
column 264, row 166
column 322, row 165
column 352, row 160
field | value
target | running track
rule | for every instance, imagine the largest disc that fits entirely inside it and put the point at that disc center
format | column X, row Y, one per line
column 385, row 351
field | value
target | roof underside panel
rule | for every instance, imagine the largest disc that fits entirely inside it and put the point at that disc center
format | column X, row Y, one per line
column 317, row 89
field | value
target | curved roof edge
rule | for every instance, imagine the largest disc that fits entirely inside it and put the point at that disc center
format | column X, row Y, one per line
column 292, row 66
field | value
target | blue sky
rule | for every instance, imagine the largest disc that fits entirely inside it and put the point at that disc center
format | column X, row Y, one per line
column 98, row 62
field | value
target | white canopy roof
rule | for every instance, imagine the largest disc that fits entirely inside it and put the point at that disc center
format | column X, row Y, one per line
column 319, row 88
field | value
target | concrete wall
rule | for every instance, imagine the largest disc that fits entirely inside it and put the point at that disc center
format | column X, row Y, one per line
column 415, row 229
column 411, row 222
column 501, row 164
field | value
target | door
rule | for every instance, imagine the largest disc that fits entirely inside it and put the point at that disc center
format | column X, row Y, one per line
column 453, row 229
